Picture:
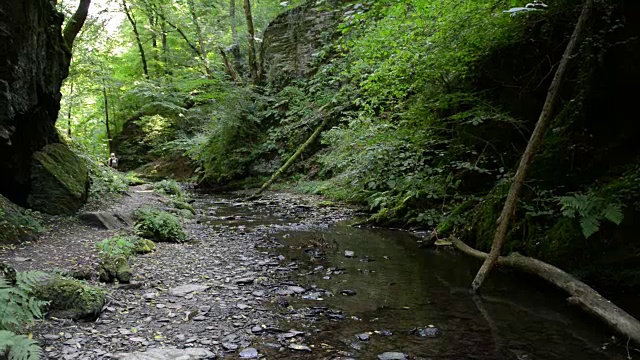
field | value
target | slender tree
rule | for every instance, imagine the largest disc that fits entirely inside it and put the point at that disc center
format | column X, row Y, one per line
column 74, row 25
column 253, row 63
column 546, row 116
column 106, row 117
column 203, row 49
column 136, row 33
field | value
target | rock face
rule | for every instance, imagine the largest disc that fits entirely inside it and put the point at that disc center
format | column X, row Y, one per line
column 33, row 63
column 293, row 41
column 59, row 180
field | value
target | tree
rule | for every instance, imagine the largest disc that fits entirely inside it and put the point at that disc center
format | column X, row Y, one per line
column 74, row 25
column 253, row 62
column 545, row 119
column 203, row 49
column 134, row 26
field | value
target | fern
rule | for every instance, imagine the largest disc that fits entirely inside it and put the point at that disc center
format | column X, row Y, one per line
column 591, row 210
column 18, row 347
column 17, row 309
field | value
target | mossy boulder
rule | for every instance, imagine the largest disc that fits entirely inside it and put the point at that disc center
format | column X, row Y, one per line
column 16, row 223
column 70, row 298
column 182, row 205
column 59, row 180
column 115, row 269
column 144, row 246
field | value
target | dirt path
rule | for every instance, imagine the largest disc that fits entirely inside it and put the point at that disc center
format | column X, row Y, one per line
column 238, row 281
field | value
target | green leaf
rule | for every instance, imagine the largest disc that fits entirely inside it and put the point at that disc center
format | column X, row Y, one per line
column 590, row 225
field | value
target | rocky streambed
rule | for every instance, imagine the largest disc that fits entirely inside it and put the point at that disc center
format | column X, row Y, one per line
column 286, row 277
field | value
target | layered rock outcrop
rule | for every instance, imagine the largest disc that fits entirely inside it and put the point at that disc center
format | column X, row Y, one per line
column 292, row 43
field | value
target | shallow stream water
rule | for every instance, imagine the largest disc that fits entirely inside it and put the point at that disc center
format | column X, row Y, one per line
column 394, row 286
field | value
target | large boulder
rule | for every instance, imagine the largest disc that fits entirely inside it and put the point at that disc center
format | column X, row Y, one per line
column 59, row 180
column 33, row 63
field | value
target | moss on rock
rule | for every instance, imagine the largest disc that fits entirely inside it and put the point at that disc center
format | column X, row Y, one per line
column 70, row 298
column 144, row 246
column 17, row 224
column 181, row 205
column 115, row 269
column 59, row 180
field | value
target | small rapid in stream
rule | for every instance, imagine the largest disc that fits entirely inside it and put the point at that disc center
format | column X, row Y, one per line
column 385, row 291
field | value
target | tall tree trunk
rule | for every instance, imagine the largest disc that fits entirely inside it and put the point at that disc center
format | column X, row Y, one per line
column 74, row 25
column 134, row 25
column 232, row 21
column 69, row 110
column 203, row 49
column 153, row 25
column 165, row 48
column 253, row 63
column 546, row 116
column 106, row 118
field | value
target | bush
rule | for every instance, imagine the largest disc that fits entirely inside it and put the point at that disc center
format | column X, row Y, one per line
column 115, row 253
column 169, row 187
column 155, row 224
column 132, row 179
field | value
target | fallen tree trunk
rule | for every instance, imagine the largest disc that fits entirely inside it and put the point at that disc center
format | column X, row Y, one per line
column 295, row 156
column 581, row 294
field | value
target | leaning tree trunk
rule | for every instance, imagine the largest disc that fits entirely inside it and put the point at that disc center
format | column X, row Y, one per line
column 581, row 294
column 136, row 33
column 295, row 156
column 253, row 62
column 230, row 69
column 74, row 25
column 543, row 123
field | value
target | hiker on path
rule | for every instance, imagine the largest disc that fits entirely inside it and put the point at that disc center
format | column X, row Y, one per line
column 113, row 161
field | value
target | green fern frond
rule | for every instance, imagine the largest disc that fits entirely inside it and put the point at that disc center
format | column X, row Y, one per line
column 18, row 347
column 591, row 211
column 613, row 213
column 590, row 225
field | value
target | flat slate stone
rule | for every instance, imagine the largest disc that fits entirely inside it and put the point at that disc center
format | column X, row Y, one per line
column 187, row 289
column 392, row 355
column 168, row 354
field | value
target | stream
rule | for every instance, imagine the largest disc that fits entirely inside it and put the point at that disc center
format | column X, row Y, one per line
column 361, row 292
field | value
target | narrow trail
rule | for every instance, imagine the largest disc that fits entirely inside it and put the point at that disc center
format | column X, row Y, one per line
column 238, row 281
